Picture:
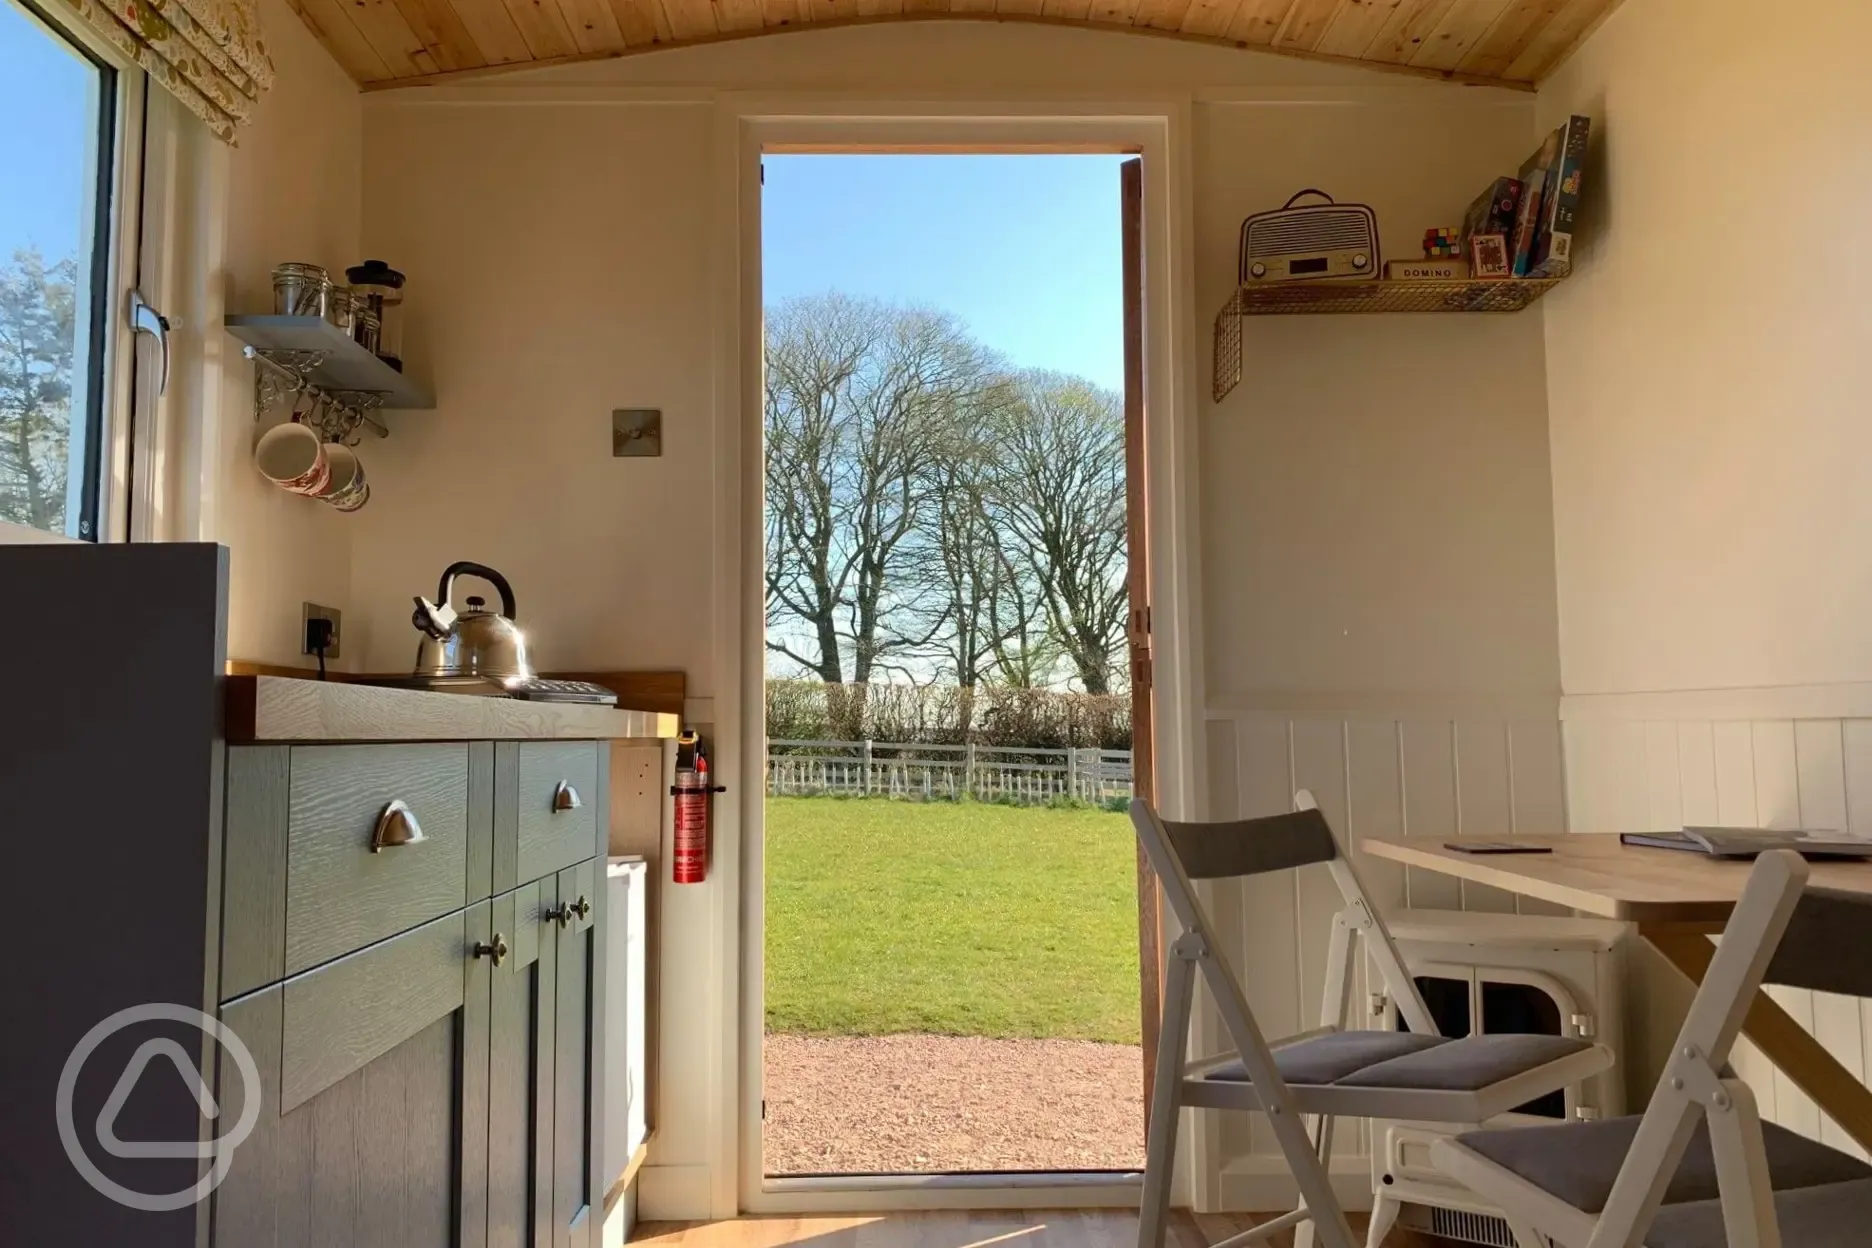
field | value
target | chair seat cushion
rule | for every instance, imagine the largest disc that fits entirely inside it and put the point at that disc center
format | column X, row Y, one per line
column 1466, row 1065
column 1579, row 1161
column 1831, row 1215
column 1329, row 1058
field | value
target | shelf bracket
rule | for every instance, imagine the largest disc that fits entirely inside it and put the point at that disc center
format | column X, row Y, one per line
column 338, row 415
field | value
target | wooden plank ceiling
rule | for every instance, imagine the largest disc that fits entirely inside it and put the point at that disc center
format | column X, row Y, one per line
column 393, row 43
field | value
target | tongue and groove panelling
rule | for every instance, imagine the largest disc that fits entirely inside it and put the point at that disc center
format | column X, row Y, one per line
column 1374, row 775
column 1514, row 42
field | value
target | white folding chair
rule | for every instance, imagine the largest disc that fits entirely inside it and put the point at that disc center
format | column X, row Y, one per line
column 1699, row 1169
column 1329, row 1072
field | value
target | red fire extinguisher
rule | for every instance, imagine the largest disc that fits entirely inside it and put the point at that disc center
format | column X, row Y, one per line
column 692, row 791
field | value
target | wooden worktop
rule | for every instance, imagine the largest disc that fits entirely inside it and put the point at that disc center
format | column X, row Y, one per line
column 279, row 708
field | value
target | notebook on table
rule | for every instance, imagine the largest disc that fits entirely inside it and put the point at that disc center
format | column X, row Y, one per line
column 1748, row 842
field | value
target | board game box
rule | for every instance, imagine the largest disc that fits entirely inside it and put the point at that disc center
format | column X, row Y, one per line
column 1528, row 210
column 1453, row 270
column 1488, row 226
column 1493, row 211
column 1553, row 240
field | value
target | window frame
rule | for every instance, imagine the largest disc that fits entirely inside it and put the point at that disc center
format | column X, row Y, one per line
column 116, row 226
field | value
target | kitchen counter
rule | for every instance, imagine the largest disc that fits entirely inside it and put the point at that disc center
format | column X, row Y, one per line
column 279, row 708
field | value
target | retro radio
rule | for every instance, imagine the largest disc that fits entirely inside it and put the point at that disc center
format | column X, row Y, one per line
column 1317, row 240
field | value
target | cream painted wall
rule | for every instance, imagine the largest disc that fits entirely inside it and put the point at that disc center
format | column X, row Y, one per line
column 554, row 226
column 1377, row 566
column 1707, row 382
column 558, row 269
column 293, row 192
column 582, row 220
column 1375, row 518
column 1711, row 460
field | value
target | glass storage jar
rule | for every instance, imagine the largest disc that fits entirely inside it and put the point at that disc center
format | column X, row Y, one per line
column 300, row 289
column 338, row 308
column 365, row 328
column 380, row 288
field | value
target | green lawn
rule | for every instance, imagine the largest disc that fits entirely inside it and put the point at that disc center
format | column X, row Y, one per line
column 954, row 919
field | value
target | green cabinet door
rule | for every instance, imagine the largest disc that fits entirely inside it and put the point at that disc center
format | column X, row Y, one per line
column 520, row 1046
column 372, row 1099
column 577, row 1188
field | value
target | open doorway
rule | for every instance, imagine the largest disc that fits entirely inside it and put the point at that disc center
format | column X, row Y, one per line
column 957, row 670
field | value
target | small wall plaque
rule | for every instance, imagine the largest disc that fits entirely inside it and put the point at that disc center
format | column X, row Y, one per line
column 636, row 431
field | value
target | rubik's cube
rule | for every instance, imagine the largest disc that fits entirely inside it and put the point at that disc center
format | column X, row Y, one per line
column 1441, row 244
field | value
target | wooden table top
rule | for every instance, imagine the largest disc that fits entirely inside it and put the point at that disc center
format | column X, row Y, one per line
column 1601, row 876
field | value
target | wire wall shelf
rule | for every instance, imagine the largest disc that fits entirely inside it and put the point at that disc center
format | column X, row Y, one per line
column 1340, row 297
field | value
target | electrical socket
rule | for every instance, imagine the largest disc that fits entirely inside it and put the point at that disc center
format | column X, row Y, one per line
column 312, row 611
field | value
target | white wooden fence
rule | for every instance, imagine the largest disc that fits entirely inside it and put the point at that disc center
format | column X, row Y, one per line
column 949, row 772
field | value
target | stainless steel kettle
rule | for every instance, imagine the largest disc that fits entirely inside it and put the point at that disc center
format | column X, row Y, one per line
column 475, row 642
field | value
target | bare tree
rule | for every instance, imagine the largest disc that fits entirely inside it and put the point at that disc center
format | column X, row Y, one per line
column 38, row 309
column 931, row 514
column 861, row 399
column 814, row 350
column 1028, row 654
column 961, row 552
column 1062, row 491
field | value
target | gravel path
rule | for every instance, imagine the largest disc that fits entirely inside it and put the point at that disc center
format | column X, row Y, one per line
column 902, row 1104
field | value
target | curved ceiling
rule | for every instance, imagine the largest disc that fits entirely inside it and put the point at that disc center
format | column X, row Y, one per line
column 387, row 43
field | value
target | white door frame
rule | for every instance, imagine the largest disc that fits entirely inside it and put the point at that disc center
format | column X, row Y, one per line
column 1156, row 127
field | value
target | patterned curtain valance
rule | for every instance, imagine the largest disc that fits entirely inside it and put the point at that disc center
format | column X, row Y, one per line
column 208, row 53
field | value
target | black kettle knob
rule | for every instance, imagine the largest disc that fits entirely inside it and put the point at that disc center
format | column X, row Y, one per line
column 475, row 604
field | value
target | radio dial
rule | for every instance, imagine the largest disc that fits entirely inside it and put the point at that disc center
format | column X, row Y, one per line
column 1257, row 269
column 1360, row 260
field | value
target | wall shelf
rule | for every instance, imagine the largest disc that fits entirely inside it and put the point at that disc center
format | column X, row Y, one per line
column 296, row 355
column 1338, row 297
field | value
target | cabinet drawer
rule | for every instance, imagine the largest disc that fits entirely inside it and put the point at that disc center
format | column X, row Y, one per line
column 342, row 1017
column 341, row 896
column 557, row 789
column 371, row 1127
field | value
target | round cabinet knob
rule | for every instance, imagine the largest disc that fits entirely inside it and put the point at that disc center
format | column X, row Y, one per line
column 569, row 913
column 497, row 952
column 1361, row 261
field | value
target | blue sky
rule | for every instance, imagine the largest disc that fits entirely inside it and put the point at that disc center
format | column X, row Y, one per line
column 44, row 117
column 1024, row 249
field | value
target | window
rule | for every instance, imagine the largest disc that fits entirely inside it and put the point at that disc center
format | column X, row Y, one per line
column 58, row 122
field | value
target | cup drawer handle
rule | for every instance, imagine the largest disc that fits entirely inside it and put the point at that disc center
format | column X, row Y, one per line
column 396, row 827
column 565, row 797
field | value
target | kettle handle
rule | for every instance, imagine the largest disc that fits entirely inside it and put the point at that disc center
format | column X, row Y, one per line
column 485, row 573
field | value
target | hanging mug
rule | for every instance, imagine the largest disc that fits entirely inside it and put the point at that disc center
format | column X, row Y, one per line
column 293, row 457
column 348, row 490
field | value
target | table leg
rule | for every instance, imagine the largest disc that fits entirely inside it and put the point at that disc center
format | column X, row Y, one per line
column 1791, row 1047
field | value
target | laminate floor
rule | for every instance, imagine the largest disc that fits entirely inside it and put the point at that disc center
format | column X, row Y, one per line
column 1045, row 1228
